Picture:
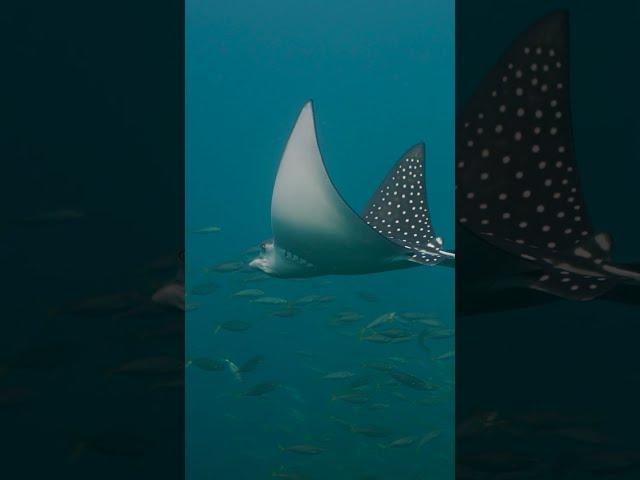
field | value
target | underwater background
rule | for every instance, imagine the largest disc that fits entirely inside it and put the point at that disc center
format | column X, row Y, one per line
column 381, row 75
column 92, row 372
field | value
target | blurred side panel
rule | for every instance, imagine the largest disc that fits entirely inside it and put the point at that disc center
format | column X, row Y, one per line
column 92, row 224
column 547, row 290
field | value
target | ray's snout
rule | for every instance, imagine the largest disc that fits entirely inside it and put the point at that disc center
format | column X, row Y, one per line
column 255, row 263
column 261, row 262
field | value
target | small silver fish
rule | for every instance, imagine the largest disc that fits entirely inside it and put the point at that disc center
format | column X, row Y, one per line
column 375, row 338
column 307, row 299
column 211, row 229
column 446, row 356
column 347, row 317
column 429, row 322
column 233, row 368
column 249, row 292
column 226, row 267
column 381, row 320
column 270, row 301
column 401, row 442
column 437, row 333
column 428, row 437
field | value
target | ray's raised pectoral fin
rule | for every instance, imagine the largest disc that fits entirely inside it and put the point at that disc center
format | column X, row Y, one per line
column 308, row 215
column 399, row 210
column 516, row 169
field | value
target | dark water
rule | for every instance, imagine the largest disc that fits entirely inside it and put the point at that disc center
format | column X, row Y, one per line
column 92, row 123
column 381, row 79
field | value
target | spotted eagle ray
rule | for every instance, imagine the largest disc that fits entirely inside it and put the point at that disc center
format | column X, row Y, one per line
column 316, row 233
column 518, row 188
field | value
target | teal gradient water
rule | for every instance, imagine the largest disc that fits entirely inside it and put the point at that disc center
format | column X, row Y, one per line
column 381, row 75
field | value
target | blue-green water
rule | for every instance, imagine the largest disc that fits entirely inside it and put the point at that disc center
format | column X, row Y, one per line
column 381, row 75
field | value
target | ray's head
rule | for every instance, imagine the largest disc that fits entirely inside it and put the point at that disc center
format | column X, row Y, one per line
column 266, row 259
column 277, row 262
